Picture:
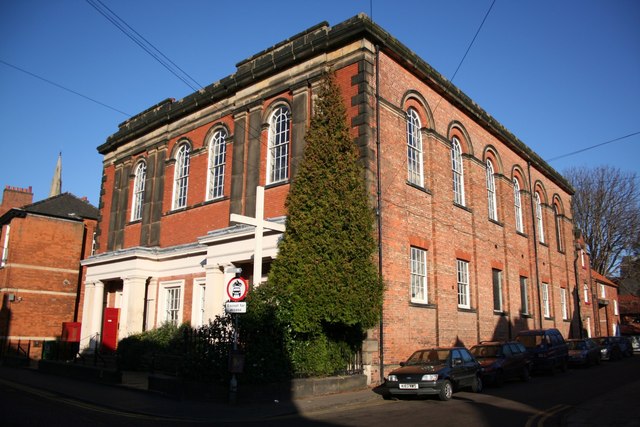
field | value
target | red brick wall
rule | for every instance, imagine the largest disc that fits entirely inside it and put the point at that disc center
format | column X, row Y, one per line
column 42, row 273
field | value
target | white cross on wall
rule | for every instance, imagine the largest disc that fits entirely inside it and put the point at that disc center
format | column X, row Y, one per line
column 260, row 224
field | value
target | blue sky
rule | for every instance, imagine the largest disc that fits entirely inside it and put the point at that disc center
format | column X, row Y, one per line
column 560, row 75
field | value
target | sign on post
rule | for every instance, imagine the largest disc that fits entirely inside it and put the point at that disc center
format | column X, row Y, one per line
column 237, row 289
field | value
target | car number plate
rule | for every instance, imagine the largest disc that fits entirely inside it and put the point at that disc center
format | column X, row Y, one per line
column 408, row 386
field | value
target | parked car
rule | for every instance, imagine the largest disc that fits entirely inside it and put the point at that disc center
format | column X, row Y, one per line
column 609, row 348
column 635, row 342
column 625, row 345
column 546, row 347
column 501, row 361
column 583, row 352
column 435, row 371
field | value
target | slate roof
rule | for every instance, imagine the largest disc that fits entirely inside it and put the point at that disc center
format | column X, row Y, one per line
column 64, row 205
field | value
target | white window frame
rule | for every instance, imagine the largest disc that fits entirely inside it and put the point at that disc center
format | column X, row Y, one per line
column 539, row 220
column 524, row 295
column 491, row 191
column 497, row 290
column 199, row 302
column 181, row 177
column 464, row 291
column 419, row 282
column 278, row 145
column 616, row 312
column 457, row 168
column 415, row 157
column 517, row 203
column 167, row 309
column 217, row 164
column 546, row 306
column 585, row 291
column 5, row 246
column 563, row 303
column 137, row 200
column 588, row 328
column 603, row 291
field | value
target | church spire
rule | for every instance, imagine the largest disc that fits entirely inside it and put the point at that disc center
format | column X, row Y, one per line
column 56, row 182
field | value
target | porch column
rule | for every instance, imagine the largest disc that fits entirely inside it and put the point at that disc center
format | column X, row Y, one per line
column 96, row 315
column 132, row 311
column 87, row 315
column 214, row 293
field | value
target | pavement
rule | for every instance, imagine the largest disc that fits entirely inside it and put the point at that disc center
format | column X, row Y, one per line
column 611, row 408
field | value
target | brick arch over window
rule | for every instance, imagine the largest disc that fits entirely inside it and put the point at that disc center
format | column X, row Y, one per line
column 178, row 144
column 457, row 129
column 517, row 172
column 413, row 99
column 491, row 153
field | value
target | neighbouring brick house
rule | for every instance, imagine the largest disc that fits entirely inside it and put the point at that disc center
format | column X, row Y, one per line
column 476, row 242
column 40, row 271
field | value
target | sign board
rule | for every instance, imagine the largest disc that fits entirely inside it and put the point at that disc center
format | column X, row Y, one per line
column 235, row 307
column 237, row 289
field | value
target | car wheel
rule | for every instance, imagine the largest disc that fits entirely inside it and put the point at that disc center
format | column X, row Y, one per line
column 525, row 375
column 499, row 379
column 446, row 391
column 476, row 386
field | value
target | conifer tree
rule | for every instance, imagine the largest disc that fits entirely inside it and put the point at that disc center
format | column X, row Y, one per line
column 325, row 275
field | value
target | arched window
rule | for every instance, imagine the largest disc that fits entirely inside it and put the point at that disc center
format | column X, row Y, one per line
column 458, row 172
column 414, row 148
column 217, row 162
column 181, row 177
column 517, row 203
column 558, row 221
column 491, row 192
column 278, row 148
column 539, row 217
column 138, row 191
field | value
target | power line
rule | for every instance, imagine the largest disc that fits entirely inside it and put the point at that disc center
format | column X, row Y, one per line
column 63, row 87
column 145, row 44
column 474, row 39
column 593, row 146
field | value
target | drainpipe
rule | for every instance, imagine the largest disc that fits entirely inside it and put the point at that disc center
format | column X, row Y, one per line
column 379, row 209
column 535, row 244
column 81, row 270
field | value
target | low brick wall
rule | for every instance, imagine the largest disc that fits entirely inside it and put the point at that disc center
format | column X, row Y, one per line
column 296, row 389
column 80, row 372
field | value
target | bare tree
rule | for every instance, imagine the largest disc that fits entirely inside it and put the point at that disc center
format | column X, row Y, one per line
column 606, row 208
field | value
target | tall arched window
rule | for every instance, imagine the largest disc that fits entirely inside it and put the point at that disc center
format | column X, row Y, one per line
column 558, row 223
column 517, row 203
column 181, row 177
column 491, row 192
column 140, row 177
column 414, row 148
column 458, row 172
column 278, row 148
column 217, row 162
column 539, row 217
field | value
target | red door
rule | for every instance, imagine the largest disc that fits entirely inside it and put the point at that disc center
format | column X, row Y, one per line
column 110, row 329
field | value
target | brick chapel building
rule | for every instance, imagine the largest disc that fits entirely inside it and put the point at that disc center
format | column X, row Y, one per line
column 476, row 232
column 40, row 271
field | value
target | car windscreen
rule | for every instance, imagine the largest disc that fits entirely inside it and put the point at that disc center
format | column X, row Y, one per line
column 577, row 345
column 481, row 351
column 530, row 341
column 431, row 357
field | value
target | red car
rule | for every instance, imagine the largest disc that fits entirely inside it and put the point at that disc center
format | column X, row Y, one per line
column 501, row 361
